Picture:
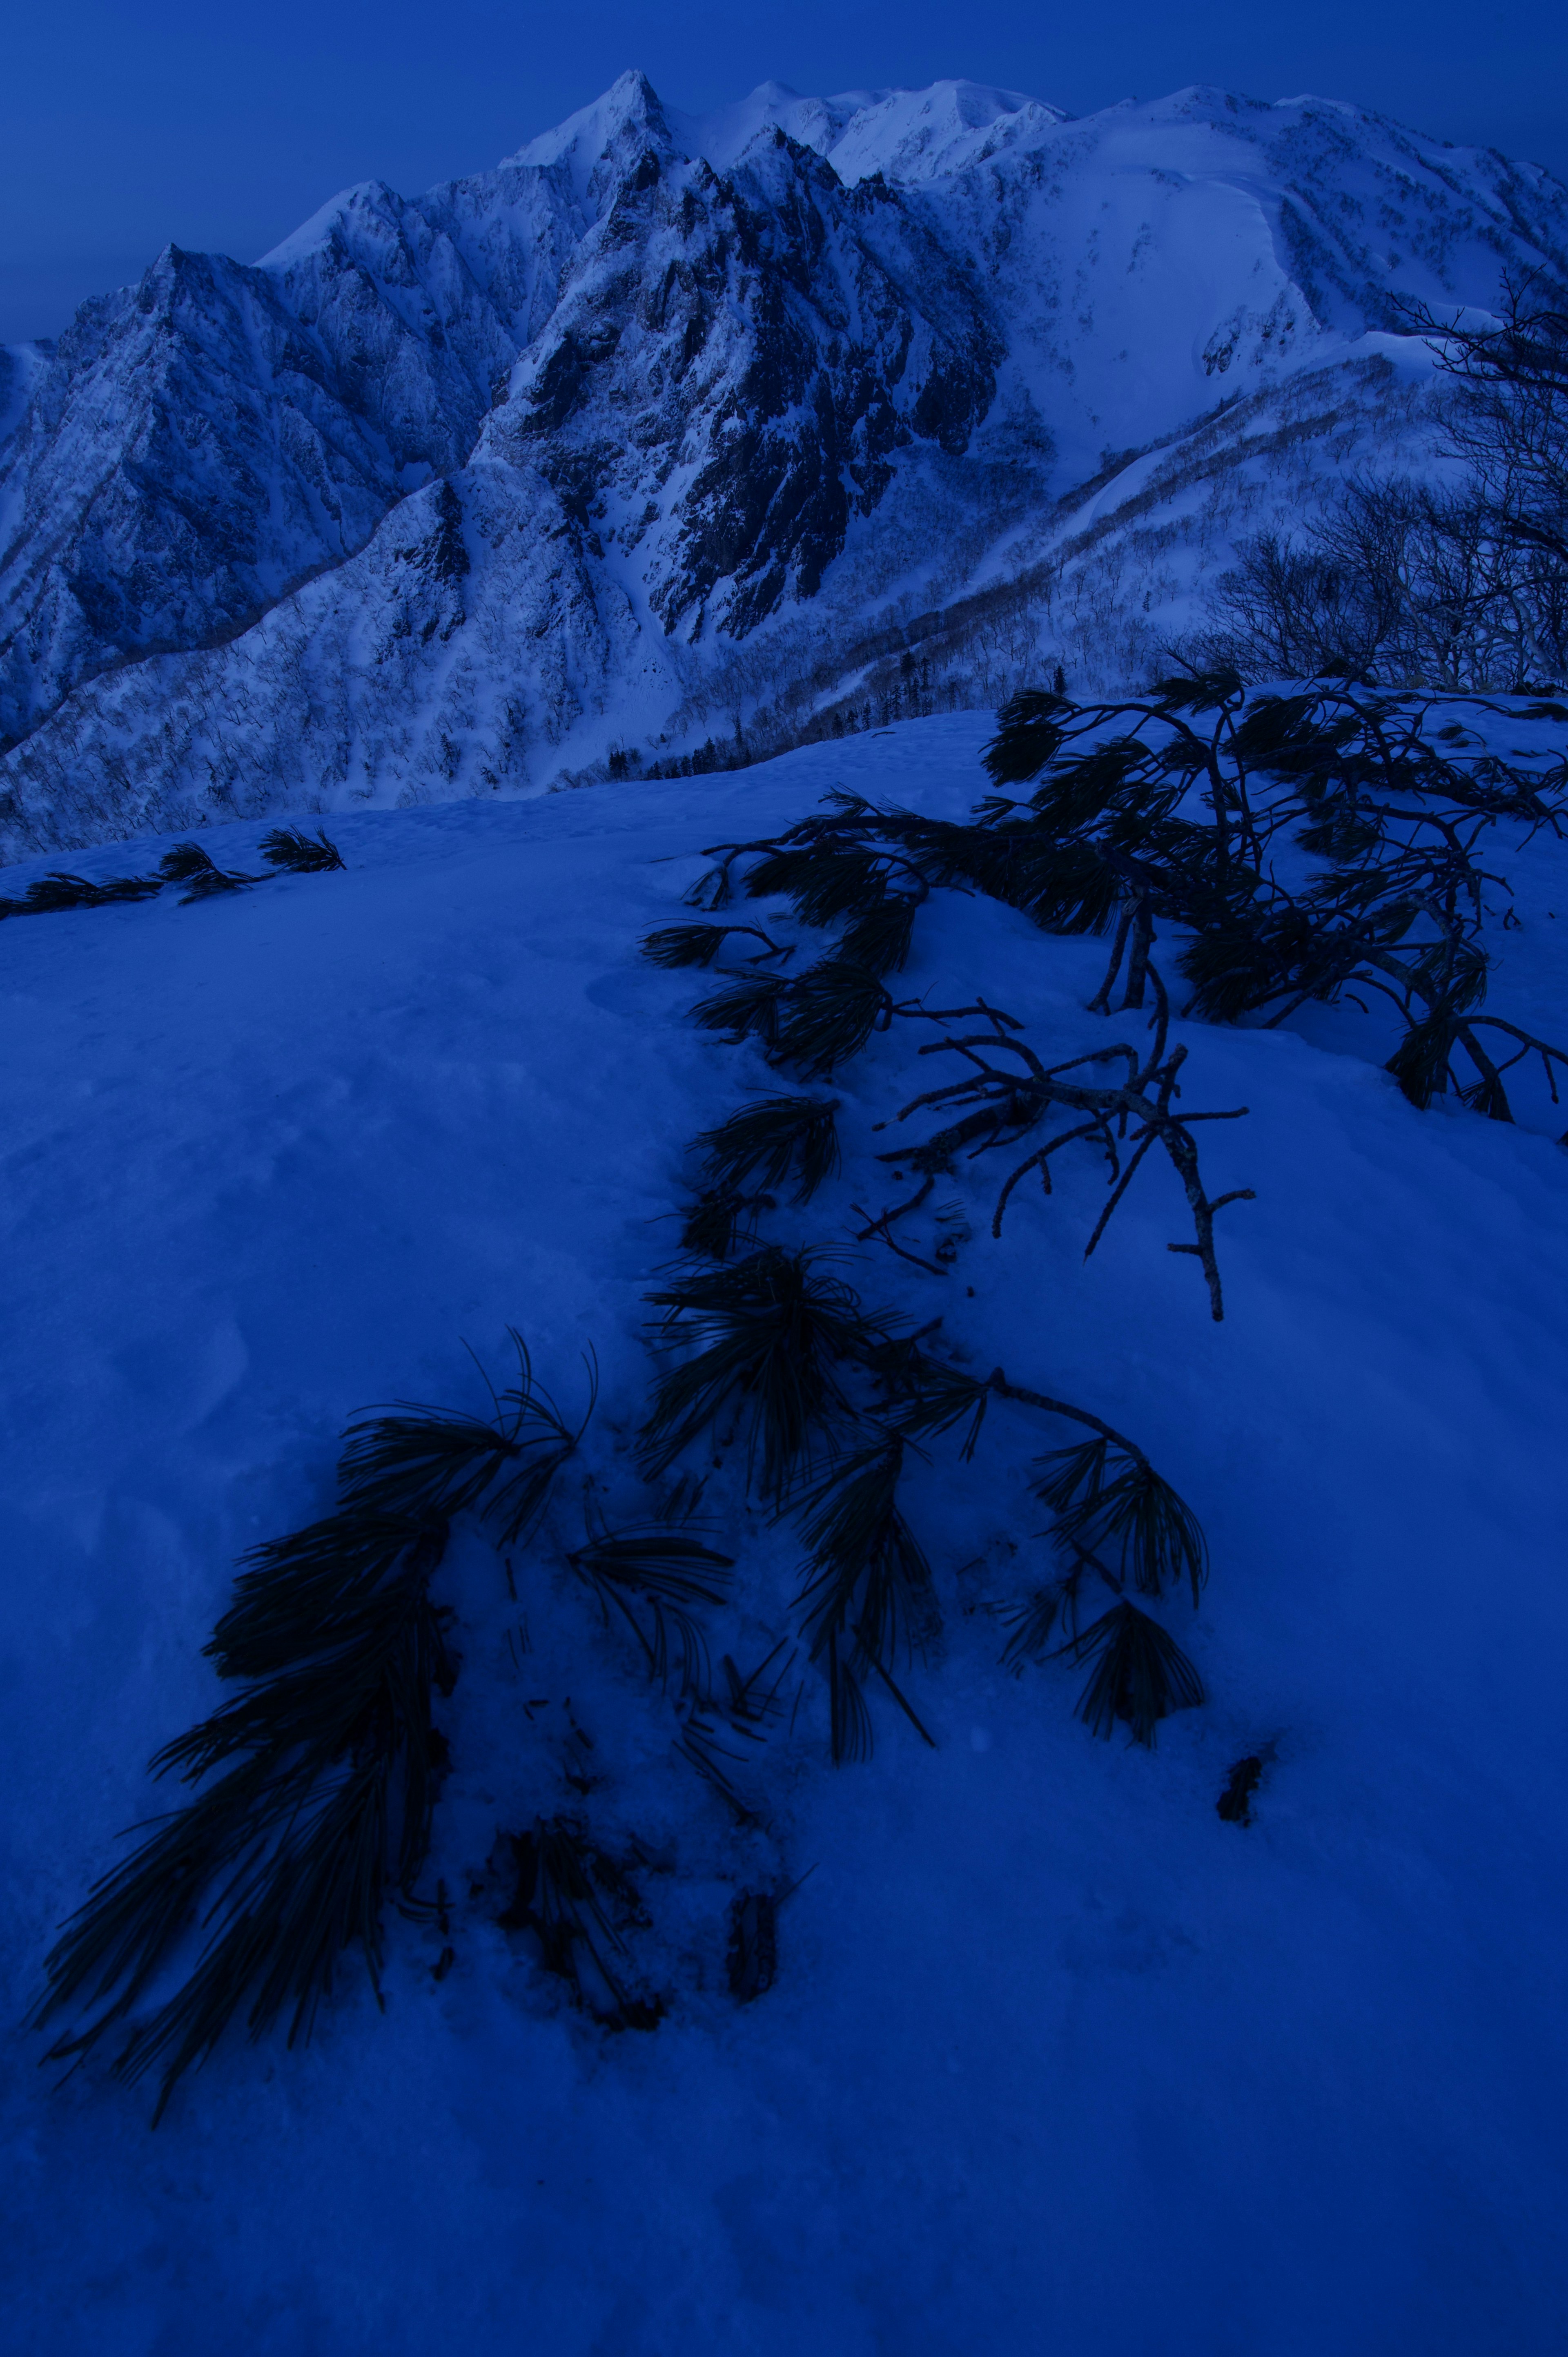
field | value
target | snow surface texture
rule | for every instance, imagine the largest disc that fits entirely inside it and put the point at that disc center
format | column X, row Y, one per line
column 1055, row 2058
column 673, row 433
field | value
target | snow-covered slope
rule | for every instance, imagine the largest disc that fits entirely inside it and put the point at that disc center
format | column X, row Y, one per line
column 814, row 404
column 1055, row 2058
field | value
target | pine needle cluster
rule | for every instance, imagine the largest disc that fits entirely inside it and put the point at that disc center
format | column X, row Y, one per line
column 318, row 1778
column 869, row 1597
column 291, row 848
column 565, row 1887
column 666, row 1571
column 770, row 1336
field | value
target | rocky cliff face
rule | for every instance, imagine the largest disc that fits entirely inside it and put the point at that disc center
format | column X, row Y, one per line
column 669, row 431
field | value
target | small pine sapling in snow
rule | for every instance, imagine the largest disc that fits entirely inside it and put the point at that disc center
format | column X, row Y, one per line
column 300, row 854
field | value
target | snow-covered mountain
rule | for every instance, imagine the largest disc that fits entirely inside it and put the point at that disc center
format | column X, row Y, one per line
column 672, row 432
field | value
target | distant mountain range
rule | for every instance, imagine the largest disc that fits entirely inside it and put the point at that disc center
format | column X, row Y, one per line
column 673, row 436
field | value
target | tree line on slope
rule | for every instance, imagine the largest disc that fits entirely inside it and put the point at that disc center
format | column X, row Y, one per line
column 1460, row 584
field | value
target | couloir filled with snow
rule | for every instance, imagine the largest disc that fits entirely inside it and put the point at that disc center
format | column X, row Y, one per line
column 1056, row 2057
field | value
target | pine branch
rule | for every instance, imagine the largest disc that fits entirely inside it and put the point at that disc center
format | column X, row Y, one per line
column 668, row 1571
column 747, row 1008
column 281, row 1864
column 556, row 1898
column 1140, row 1674
column 770, row 1333
column 699, row 945
column 1112, row 1507
column 189, row 864
column 319, row 1776
column 718, row 1223
column 827, row 1014
column 870, row 1596
column 1144, row 1099
column 769, row 1140
column 302, row 855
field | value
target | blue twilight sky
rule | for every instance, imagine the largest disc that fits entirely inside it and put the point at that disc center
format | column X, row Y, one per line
column 124, row 126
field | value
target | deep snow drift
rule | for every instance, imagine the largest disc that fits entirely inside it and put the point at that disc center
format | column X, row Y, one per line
column 1055, row 2057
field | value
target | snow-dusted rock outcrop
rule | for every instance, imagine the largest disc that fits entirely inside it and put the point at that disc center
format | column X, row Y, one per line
column 672, row 430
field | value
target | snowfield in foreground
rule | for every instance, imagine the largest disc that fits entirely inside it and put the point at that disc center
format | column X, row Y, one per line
column 1055, row 2057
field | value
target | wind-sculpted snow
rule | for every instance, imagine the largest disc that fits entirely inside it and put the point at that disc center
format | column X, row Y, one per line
column 744, row 425
column 1056, row 2059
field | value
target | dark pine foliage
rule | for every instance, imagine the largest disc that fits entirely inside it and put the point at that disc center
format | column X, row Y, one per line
column 771, row 1140
column 300, row 854
column 319, row 1778
column 868, row 1599
column 563, row 1892
column 1113, row 1510
column 719, row 1222
column 675, row 945
column 60, row 891
column 666, row 1570
column 1166, row 810
column 322, row 1789
column 187, row 863
column 1140, row 1674
column 827, row 1014
column 747, row 1007
column 770, row 1334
